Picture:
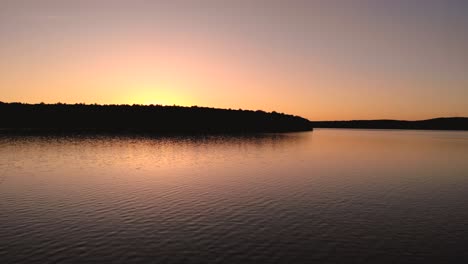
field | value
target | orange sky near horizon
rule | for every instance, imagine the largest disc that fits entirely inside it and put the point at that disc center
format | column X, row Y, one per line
column 320, row 61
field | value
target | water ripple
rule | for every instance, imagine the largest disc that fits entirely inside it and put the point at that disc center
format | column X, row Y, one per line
column 322, row 197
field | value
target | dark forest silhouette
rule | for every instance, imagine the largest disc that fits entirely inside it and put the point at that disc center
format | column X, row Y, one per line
column 19, row 117
column 448, row 123
column 16, row 117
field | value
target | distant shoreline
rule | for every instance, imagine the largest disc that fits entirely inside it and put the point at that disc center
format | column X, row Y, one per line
column 19, row 118
column 43, row 119
column 444, row 123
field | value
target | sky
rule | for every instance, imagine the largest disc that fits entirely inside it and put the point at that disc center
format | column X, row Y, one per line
column 323, row 60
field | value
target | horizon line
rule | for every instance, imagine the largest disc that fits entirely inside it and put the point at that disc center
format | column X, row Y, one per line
column 232, row 109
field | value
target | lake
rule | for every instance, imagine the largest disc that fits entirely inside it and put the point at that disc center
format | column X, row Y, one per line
column 327, row 196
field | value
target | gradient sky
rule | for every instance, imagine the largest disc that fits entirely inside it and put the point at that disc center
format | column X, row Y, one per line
column 319, row 59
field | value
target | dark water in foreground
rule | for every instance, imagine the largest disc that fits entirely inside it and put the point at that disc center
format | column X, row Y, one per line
column 328, row 196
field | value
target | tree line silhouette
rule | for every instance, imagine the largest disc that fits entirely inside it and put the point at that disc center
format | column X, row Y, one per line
column 143, row 118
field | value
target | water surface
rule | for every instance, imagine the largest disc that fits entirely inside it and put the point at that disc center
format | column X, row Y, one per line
column 328, row 196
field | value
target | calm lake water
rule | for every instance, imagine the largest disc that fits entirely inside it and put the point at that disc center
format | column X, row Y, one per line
column 328, row 196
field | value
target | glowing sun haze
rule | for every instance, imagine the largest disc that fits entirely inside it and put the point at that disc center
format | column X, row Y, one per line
column 318, row 59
